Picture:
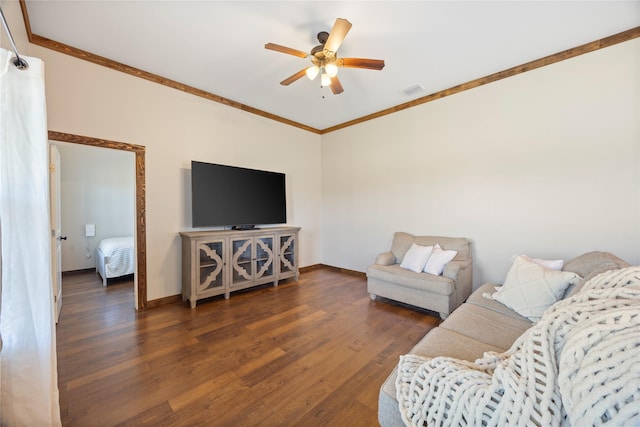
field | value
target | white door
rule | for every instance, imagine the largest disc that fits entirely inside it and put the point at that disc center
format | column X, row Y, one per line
column 56, row 232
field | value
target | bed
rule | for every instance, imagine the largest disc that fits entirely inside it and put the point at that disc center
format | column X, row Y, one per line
column 115, row 258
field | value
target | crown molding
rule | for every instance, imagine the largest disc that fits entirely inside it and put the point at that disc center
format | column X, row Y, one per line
column 519, row 69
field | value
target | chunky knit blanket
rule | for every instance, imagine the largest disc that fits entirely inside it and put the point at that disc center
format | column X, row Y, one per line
column 579, row 365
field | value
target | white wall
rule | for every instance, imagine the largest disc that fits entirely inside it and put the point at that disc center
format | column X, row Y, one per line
column 97, row 186
column 175, row 128
column 545, row 163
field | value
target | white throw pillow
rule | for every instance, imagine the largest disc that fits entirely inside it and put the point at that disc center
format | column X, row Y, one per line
column 530, row 288
column 416, row 257
column 438, row 259
column 551, row 264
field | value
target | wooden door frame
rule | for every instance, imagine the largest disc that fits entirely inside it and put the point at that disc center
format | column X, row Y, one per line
column 141, row 232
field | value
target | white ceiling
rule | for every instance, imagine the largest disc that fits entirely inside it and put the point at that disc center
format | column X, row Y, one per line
column 218, row 46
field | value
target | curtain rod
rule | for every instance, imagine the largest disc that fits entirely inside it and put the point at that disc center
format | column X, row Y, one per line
column 18, row 62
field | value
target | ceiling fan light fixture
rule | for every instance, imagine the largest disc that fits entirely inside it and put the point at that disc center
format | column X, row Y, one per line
column 324, row 59
column 312, row 72
column 331, row 69
column 326, row 80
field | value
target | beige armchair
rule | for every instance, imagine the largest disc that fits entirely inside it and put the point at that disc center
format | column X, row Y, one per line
column 440, row 293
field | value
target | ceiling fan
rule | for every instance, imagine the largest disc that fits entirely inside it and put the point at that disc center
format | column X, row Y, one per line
column 325, row 60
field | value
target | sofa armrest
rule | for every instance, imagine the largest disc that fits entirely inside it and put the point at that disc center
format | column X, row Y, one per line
column 386, row 258
column 452, row 269
column 461, row 272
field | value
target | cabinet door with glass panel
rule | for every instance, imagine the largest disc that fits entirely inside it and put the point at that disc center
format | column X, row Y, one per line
column 252, row 260
column 211, row 272
column 287, row 256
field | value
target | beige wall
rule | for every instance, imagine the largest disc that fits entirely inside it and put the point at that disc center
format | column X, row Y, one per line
column 545, row 163
column 11, row 10
column 175, row 128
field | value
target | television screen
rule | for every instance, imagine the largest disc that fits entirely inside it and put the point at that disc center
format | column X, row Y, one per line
column 233, row 196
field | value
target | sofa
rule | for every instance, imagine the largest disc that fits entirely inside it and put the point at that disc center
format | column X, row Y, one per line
column 441, row 293
column 483, row 324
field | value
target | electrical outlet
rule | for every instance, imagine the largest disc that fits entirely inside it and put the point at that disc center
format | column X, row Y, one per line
column 90, row 230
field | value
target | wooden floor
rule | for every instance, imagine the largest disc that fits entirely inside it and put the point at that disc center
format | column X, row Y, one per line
column 307, row 353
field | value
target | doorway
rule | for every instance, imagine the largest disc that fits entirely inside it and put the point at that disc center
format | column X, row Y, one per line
column 140, row 282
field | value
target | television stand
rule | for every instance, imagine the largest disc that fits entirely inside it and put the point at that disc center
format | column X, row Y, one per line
column 219, row 262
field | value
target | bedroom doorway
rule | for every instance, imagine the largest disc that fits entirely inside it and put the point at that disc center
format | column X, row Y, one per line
column 140, row 283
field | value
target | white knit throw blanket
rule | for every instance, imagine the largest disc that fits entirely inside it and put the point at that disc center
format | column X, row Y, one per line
column 579, row 365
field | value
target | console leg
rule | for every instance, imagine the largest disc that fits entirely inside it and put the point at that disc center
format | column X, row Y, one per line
column 193, row 303
column 372, row 296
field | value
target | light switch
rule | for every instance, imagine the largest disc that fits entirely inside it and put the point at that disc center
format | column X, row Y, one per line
column 90, row 230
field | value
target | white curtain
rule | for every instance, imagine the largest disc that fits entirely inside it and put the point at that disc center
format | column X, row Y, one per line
column 28, row 368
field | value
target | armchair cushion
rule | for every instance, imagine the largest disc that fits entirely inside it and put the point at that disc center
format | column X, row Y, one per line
column 410, row 279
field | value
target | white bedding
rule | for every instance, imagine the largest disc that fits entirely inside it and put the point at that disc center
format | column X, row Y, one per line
column 115, row 258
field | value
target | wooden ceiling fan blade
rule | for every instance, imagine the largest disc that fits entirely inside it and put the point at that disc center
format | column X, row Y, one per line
column 336, row 86
column 294, row 77
column 337, row 35
column 370, row 64
column 287, row 50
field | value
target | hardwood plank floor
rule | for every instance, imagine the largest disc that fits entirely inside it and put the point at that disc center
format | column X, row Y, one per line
column 312, row 353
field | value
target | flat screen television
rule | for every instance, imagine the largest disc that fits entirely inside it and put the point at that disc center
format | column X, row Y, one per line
column 239, row 197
